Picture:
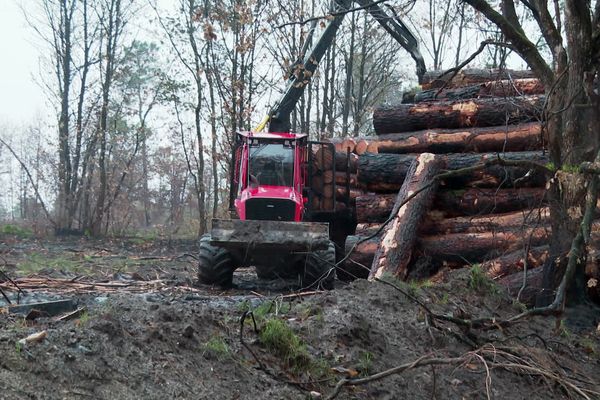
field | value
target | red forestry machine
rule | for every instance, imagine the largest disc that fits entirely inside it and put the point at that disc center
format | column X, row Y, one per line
column 279, row 224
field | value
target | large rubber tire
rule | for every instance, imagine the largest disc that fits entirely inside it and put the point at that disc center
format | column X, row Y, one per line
column 318, row 269
column 215, row 264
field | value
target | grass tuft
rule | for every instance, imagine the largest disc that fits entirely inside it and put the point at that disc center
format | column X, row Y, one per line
column 280, row 340
column 480, row 282
column 216, row 348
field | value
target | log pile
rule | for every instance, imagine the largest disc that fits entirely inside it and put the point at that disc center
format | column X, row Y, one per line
column 487, row 216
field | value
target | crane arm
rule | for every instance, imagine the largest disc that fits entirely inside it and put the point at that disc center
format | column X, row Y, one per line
column 303, row 71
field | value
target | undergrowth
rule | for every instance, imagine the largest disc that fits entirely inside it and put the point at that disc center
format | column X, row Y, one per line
column 15, row 230
column 216, row 348
column 480, row 282
column 279, row 339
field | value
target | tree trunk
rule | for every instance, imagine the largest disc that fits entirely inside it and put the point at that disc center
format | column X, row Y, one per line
column 399, row 236
column 374, row 207
column 476, row 247
column 341, row 178
column 358, row 264
column 502, row 88
column 386, row 172
column 514, row 262
column 454, row 203
column 533, row 284
column 522, row 137
column 340, row 194
column 486, row 223
column 433, row 79
column 383, row 172
column 458, row 114
column 346, row 161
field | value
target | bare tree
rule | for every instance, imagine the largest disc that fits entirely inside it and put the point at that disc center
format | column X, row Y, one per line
column 571, row 34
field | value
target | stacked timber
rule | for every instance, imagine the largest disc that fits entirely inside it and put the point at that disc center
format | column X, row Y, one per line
column 495, row 216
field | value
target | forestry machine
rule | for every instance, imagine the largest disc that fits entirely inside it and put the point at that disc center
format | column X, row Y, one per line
column 286, row 220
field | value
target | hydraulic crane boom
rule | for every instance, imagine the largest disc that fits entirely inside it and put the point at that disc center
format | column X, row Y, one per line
column 279, row 115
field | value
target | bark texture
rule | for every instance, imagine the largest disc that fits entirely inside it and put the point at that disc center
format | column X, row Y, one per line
column 501, row 88
column 521, row 137
column 398, row 237
column 436, row 79
column 457, row 114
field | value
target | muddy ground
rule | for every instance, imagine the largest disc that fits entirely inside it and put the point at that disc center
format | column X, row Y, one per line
column 148, row 332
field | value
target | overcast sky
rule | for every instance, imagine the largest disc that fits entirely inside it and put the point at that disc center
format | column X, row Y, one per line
column 21, row 99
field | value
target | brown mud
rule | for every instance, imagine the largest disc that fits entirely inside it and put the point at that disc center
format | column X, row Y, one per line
column 149, row 332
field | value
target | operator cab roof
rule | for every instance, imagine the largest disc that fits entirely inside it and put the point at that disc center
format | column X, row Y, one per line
column 272, row 135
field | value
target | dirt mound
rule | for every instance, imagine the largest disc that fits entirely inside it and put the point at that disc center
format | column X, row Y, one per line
column 157, row 346
column 147, row 333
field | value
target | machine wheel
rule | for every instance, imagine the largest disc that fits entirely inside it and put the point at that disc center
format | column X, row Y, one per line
column 318, row 269
column 215, row 264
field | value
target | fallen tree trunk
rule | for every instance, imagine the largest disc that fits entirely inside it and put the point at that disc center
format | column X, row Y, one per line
column 362, row 145
column 383, row 172
column 343, row 144
column 486, row 223
column 437, row 79
column 497, row 176
column 386, row 172
column 514, row 262
column 521, row 137
column 374, row 207
column 454, row 203
column 320, row 203
column 340, row 194
column 457, row 114
column 346, row 162
column 358, row 264
column 323, row 159
column 341, row 178
column 476, row 247
column 322, row 188
column 500, row 88
column 366, row 229
column 533, row 285
column 399, row 236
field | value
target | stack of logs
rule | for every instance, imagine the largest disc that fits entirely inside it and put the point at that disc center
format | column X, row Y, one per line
column 488, row 216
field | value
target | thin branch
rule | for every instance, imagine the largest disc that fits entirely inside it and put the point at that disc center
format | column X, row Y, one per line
column 419, row 362
column 35, row 188
column 526, row 49
column 456, row 70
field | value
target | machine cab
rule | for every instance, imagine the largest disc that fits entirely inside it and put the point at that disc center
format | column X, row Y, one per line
column 268, row 176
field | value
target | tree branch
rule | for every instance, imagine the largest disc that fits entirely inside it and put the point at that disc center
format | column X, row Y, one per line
column 35, row 188
column 526, row 49
column 456, row 70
